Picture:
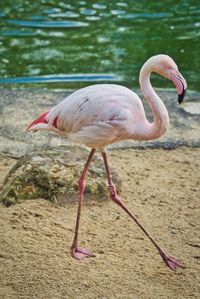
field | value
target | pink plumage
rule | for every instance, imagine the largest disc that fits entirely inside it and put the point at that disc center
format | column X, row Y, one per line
column 102, row 114
column 39, row 120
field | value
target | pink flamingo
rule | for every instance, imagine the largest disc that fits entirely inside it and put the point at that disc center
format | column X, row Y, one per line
column 103, row 114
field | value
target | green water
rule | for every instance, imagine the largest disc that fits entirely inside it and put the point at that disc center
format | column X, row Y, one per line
column 69, row 44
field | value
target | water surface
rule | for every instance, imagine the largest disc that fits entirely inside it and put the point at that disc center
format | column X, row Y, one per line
column 74, row 43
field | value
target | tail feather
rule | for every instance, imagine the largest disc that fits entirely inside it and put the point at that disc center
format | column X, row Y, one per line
column 40, row 120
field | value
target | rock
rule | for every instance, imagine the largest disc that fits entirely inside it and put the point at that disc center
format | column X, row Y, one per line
column 53, row 174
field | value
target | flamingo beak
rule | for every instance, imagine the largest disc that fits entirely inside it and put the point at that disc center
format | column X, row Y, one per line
column 180, row 84
column 181, row 96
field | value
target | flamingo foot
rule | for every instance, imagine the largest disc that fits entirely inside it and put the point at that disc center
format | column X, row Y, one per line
column 171, row 262
column 80, row 253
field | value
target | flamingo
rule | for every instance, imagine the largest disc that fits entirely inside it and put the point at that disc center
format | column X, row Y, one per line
column 102, row 114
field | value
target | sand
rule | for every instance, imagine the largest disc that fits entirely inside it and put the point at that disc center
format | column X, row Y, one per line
column 161, row 186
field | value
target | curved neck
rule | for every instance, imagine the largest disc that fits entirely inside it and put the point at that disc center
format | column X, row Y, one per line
column 160, row 114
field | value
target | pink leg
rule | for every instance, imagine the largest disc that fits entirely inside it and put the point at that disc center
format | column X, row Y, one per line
column 77, row 252
column 169, row 261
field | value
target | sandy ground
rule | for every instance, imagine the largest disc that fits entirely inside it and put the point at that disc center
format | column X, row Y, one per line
column 161, row 186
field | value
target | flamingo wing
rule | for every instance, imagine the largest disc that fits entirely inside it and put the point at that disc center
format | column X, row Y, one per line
column 95, row 115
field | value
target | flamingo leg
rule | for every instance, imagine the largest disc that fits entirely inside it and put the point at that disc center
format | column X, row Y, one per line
column 169, row 261
column 77, row 252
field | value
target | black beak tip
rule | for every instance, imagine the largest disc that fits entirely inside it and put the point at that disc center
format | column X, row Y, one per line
column 181, row 96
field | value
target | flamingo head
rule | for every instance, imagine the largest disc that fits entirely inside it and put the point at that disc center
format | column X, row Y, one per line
column 166, row 67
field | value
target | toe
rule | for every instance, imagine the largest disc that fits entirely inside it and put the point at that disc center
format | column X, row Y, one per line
column 80, row 253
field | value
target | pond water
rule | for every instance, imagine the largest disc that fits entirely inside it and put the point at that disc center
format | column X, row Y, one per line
column 69, row 44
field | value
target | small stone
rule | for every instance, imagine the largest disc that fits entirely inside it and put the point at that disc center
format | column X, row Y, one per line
column 61, row 182
column 9, row 201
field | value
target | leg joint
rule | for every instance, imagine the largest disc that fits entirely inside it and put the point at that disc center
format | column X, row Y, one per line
column 112, row 190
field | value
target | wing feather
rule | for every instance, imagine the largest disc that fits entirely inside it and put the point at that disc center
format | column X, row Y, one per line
column 96, row 135
column 97, row 115
column 100, row 102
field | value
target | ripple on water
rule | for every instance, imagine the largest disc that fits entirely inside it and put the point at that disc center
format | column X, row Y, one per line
column 18, row 32
column 99, row 6
column 122, row 4
column 189, row 35
column 115, row 12
column 87, row 11
column 68, row 14
column 52, row 10
column 62, row 78
column 2, row 14
column 144, row 15
column 37, row 17
column 93, row 18
column 44, row 54
column 48, row 24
